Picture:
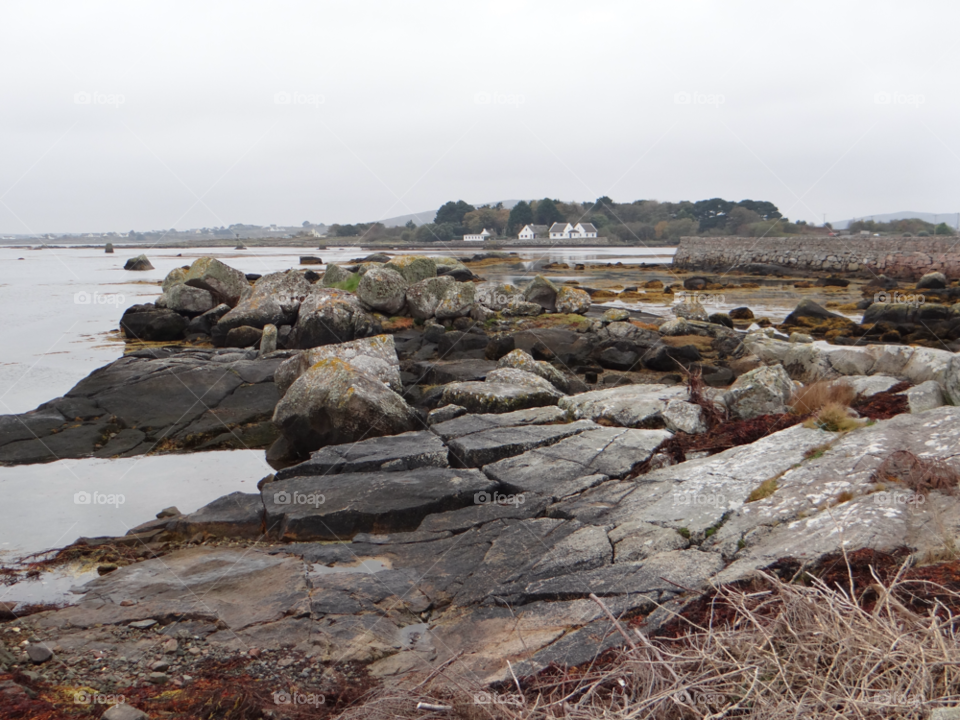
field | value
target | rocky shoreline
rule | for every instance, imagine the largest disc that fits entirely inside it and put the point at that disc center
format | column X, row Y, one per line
column 463, row 468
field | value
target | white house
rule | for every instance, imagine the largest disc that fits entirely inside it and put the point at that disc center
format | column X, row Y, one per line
column 559, row 231
column 532, row 232
column 478, row 238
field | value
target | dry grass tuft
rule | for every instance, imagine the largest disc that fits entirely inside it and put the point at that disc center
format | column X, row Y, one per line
column 765, row 490
column 919, row 474
column 810, row 398
column 833, row 417
column 785, row 651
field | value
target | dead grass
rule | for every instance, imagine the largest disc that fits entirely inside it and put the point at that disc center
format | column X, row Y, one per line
column 810, row 398
column 833, row 417
column 702, row 343
column 919, row 474
column 765, row 490
column 774, row 650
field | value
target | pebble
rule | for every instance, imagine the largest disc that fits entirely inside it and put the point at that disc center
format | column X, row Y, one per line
column 143, row 624
column 170, row 646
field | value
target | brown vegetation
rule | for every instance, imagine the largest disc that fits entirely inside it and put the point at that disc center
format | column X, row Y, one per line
column 919, row 474
column 810, row 398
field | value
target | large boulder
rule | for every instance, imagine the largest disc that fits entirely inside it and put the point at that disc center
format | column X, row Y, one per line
column 273, row 300
column 638, row 406
column 807, row 363
column 810, row 310
column 225, row 283
column 503, row 391
column 383, row 290
column 188, row 300
column 690, row 309
column 542, row 292
column 138, row 263
column 763, row 391
column 424, row 296
column 175, row 277
column 454, row 268
column 414, row 268
column 334, row 402
column 522, row 360
column 499, row 296
column 335, row 275
column 147, row 322
column 328, row 316
column 932, row 281
column 376, row 356
column 572, row 300
column 457, row 301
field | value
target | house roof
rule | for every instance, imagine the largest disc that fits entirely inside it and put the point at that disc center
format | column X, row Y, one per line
column 588, row 227
column 558, row 227
column 536, row 228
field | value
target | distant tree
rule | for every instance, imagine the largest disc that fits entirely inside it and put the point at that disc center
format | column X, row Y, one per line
column 603, row 203
column 711, row 213
column 659, row 229
column 943, row 229
column 410, row 224
column 346, row 231
column 547, row 212
column 520, row 215
column 453, row 212
column 306, row 224
column 740, row 217
column 766, row 210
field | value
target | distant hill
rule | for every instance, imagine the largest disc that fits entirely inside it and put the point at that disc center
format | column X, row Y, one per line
column 427, row 216
column 949, row 218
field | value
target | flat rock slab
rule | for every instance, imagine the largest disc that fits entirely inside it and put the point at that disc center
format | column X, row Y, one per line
column 489, row 446
column 235, row 515
column 498, row 397
column 406, row 451
column 183, row 397
column 442, row 372
column 468, row 424
column 337, row 507
column 608, row 451
column 238, row 587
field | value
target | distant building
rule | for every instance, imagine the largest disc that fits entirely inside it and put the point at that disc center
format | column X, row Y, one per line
column 532, row 232
column 560, row 231
column 478, row 238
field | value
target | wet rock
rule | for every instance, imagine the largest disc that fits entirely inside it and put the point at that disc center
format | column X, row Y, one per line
column 932, row 281
column 406, row 451
column 764, row 391
column 145, row 322
column 489, row 446
column 413, row 268
column 333, row 402
column 808, row 309
column 108, row 248
column 542, row 292
column 138, row 263
column 383, row 290
column 310, row 260
column 741, row 313
column 384, row 502
column 721, row 319
column 572, row 300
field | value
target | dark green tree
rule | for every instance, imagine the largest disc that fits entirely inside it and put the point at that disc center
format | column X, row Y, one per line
column 547, row 212
column 410, row 224
column 711, row 213
column 943, row 229
column 520, row 215
column 453, row 212
column 765, row 209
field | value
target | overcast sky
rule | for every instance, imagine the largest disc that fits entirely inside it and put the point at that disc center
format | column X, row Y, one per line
column 119, row 116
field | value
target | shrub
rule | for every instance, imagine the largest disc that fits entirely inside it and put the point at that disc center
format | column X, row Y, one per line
column 833, row 417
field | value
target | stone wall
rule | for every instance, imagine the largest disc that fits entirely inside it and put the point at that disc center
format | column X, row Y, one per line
column 559, row 242
column 900, row 257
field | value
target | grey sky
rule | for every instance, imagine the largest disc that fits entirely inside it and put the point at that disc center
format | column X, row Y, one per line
column 394, row 107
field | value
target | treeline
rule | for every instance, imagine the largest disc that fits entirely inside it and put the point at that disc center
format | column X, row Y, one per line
column 907, row 227
column 639, row 221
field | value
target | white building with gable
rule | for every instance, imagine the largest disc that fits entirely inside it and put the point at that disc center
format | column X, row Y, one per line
column 561, row 231
column 478, row 238
column 532, row 232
